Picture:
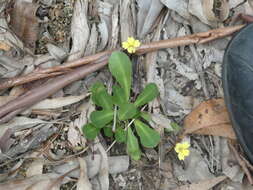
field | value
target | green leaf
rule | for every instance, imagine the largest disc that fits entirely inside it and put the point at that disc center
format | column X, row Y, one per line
column 133, row 145
column 108, row 131
column 90, row 131
column 149, row 137
column 118, row 97
column 100, row 97
column 121, row 68
column 146, row 116
column 101, row 118
column 148, row 94
column 104, row 100
column 127, row 111
column 96, row 88
column 175, row 126
column 120, row 135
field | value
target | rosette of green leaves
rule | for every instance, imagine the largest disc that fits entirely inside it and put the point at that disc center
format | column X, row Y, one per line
column 120, row 67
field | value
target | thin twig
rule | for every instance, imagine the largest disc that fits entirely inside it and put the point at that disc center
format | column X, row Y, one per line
column 114, row 118
column 241, row 162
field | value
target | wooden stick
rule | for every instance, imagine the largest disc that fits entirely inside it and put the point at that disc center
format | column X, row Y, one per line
column 97, row 61
column 198, row 38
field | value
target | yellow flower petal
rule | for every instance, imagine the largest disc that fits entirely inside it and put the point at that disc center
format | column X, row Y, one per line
column 177, row 147
column 137, row 43
column 131, row 44
column 125, row 45
column 131, row 40
column 186, row 152
column 180, row 156
column 131, row 50
column 185, row 145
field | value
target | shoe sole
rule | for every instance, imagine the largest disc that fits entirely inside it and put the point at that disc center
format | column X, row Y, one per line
column 228, row 102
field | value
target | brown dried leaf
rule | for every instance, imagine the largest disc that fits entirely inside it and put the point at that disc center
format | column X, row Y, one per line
column 24, row 23
column 209, row 118
column 4, row 46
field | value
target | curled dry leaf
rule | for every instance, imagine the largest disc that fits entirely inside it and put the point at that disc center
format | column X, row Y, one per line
column 58, row 102
column 83, row 182
column 79, row 30
column 23, row 21
column 209, row 118
column 103, row 174
column 216, row 10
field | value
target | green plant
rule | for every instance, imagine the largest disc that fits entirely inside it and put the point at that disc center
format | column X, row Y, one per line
column 117, row 116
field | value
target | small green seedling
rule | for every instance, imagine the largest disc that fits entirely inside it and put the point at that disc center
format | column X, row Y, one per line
column 117, row 116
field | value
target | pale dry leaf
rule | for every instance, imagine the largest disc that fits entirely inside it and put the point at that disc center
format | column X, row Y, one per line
column 43, row 132
column 45, row 184
column 161, row 120
column 74, row 135
column 9, row 67
column 248, row 7
column 209, row 118
column 105, row 12
column 196, row 8
column 193, row 161
column 216, row 11
column 79, row 30
column 93, row 165
column 27, row 183
column 126, row 20
column 203, row 185
column 58, row 53
column 148, row 13
column 179, row 6
column 58, row 102
column 185, row 71
column 230, row 166
column 35, row 168
column 103, row 30
column 19, row 123
column 92, row 45
column 151, row 64
column 235, row 3
column 83, row 182
column 175, row 103
column 143, row 6
column 115, row 27
column 103, row 174
column 117, row 164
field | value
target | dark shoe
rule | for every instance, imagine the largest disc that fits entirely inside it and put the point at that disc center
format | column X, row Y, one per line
column 237, row 77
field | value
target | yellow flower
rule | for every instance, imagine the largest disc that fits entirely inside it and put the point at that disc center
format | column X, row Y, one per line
column 182, row 150
column 131, row 44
